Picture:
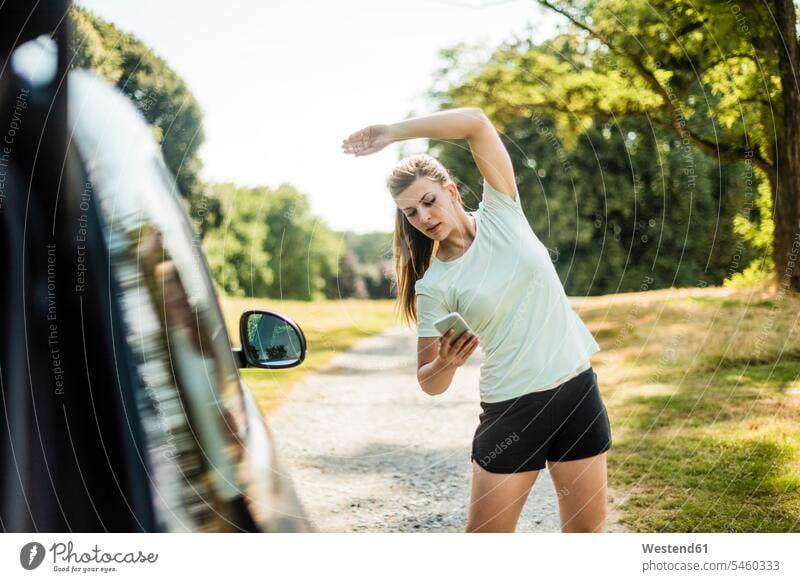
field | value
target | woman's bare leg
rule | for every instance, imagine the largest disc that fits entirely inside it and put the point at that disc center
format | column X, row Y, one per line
column 581, row 490
column 497, row 499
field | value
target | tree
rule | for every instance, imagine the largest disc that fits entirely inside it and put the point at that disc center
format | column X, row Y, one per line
column 381, row 280
column 370, row 248
column 237, row 250
column 373, row 252
column 719, row 75
column 349, row 282
column 159, row 94
column 304, row 254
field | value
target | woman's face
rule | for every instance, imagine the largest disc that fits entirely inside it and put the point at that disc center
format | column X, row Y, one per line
column 429, row 207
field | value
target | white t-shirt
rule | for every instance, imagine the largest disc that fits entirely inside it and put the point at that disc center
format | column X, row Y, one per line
column 507, row 290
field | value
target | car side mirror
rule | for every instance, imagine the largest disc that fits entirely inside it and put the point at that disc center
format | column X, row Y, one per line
column 270, row 340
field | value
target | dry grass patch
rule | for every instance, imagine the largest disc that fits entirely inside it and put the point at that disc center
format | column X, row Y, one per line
column 703, row 392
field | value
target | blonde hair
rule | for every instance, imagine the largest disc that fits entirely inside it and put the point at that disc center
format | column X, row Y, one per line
column 412, row 250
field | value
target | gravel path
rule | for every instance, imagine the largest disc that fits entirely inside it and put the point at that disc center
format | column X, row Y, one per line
column 369, row 451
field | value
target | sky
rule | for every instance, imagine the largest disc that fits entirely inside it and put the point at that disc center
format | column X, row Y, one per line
column 281, row 84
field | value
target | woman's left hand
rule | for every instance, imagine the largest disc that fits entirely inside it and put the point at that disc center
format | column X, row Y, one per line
column 368, row 140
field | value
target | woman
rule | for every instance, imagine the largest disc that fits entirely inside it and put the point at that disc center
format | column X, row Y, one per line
column 539, row 395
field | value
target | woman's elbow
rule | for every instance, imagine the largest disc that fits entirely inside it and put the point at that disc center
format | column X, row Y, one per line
column 476, row 112
column 479, row 120
column 432, row 391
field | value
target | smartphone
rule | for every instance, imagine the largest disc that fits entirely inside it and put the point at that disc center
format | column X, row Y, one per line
column 454, row 321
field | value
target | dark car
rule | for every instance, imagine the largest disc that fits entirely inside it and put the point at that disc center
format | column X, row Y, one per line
column 122, row 405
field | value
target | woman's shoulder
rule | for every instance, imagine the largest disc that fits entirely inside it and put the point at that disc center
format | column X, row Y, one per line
column 495, row 200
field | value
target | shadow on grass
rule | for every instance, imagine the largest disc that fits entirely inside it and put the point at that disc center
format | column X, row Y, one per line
column 736, row 486
column 717, row 454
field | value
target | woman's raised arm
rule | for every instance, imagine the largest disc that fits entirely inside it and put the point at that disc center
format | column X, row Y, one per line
column 462, row 123
column 468, row 123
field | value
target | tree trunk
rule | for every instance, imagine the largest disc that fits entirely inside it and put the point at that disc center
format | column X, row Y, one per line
column 786, row 177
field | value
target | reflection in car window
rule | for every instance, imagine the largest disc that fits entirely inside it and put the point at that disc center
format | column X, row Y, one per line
column 192, row 405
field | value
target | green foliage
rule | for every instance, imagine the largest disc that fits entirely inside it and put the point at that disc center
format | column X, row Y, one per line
column 712, row 64
column 373, row 253
column 304, row 253
column 270, row 245
column 237, row 250
column 161, row 96
column 371, row 247
column 758, row 229
column 88, row 47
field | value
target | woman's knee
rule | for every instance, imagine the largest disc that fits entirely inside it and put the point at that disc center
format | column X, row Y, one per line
column 589, row 519
column 491, row 520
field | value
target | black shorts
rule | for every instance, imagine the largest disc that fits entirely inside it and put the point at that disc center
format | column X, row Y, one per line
column 565, row 423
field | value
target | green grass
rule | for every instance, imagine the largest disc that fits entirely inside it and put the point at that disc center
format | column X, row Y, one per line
column 703, row 392
column 330, row 327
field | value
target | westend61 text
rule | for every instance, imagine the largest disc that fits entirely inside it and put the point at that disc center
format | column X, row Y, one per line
column 670, row 549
